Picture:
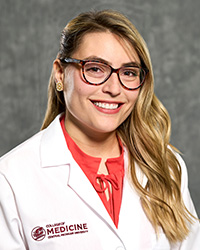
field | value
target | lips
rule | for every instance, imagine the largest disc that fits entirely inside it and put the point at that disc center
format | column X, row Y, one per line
column 107, row 107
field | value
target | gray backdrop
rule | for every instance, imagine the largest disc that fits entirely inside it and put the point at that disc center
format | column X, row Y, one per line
column 29, row 39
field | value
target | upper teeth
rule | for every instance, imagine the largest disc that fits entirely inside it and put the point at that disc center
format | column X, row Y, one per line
column 106, row 105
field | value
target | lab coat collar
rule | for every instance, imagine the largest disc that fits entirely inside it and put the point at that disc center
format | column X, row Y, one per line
column 54, row 151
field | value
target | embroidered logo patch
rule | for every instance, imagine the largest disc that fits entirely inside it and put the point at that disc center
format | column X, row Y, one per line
column 38, row 233
column 58, row 230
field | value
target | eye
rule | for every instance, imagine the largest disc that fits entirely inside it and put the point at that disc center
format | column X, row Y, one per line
column 95, row 69
column 130, row 72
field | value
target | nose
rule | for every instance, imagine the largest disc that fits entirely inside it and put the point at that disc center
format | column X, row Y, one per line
column 112, row 86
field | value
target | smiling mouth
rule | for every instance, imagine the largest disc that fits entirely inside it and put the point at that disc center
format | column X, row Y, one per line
column 110, row 106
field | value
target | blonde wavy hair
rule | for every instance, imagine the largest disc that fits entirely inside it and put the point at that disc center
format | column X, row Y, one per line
column 146, row 132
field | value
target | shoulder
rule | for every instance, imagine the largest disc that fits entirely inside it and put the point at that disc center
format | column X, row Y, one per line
column 185, row 185
column 46, row 148
column 27, row 150
column 183, row 169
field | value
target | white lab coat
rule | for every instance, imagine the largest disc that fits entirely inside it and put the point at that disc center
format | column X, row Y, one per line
column 46, row 202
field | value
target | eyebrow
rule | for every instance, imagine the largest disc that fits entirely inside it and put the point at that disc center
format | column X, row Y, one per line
column 96, row 58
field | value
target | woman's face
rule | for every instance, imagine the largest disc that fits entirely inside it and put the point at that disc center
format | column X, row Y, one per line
column 102, row 108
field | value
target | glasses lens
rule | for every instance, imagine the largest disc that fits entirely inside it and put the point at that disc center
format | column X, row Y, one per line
column 96, row 72
column 131, row 77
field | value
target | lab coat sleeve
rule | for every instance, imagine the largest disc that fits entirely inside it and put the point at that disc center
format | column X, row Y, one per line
column 192, row 242
column 11, row 233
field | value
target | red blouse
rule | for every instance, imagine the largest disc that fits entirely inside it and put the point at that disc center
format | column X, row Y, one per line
column 101, row 182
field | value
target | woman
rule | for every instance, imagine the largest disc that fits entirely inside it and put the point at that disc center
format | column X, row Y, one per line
column 101, row 174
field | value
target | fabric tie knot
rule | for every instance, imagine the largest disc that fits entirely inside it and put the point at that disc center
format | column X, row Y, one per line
column 101, row 182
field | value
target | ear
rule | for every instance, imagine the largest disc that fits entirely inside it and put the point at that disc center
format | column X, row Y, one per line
column 58, row 71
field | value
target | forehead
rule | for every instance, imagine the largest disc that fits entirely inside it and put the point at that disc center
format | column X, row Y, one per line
column 107, row 46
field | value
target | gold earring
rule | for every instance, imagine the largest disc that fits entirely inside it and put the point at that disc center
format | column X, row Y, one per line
column 59, row 86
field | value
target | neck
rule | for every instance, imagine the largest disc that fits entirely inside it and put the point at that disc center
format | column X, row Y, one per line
column 93, row 143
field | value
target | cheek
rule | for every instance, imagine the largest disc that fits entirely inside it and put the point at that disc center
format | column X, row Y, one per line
column 74, row 88
column 68, row 87
column 132, row 97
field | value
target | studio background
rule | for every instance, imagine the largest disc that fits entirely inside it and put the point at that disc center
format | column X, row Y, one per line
column 29, row 41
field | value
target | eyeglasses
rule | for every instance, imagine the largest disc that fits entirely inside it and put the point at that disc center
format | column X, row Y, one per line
column 96, row 73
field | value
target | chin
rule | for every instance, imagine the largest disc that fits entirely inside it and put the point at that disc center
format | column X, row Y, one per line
column 105, row 129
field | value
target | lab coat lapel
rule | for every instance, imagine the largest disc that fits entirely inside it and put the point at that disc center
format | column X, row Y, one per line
column 53, row 149
column 84, row 189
